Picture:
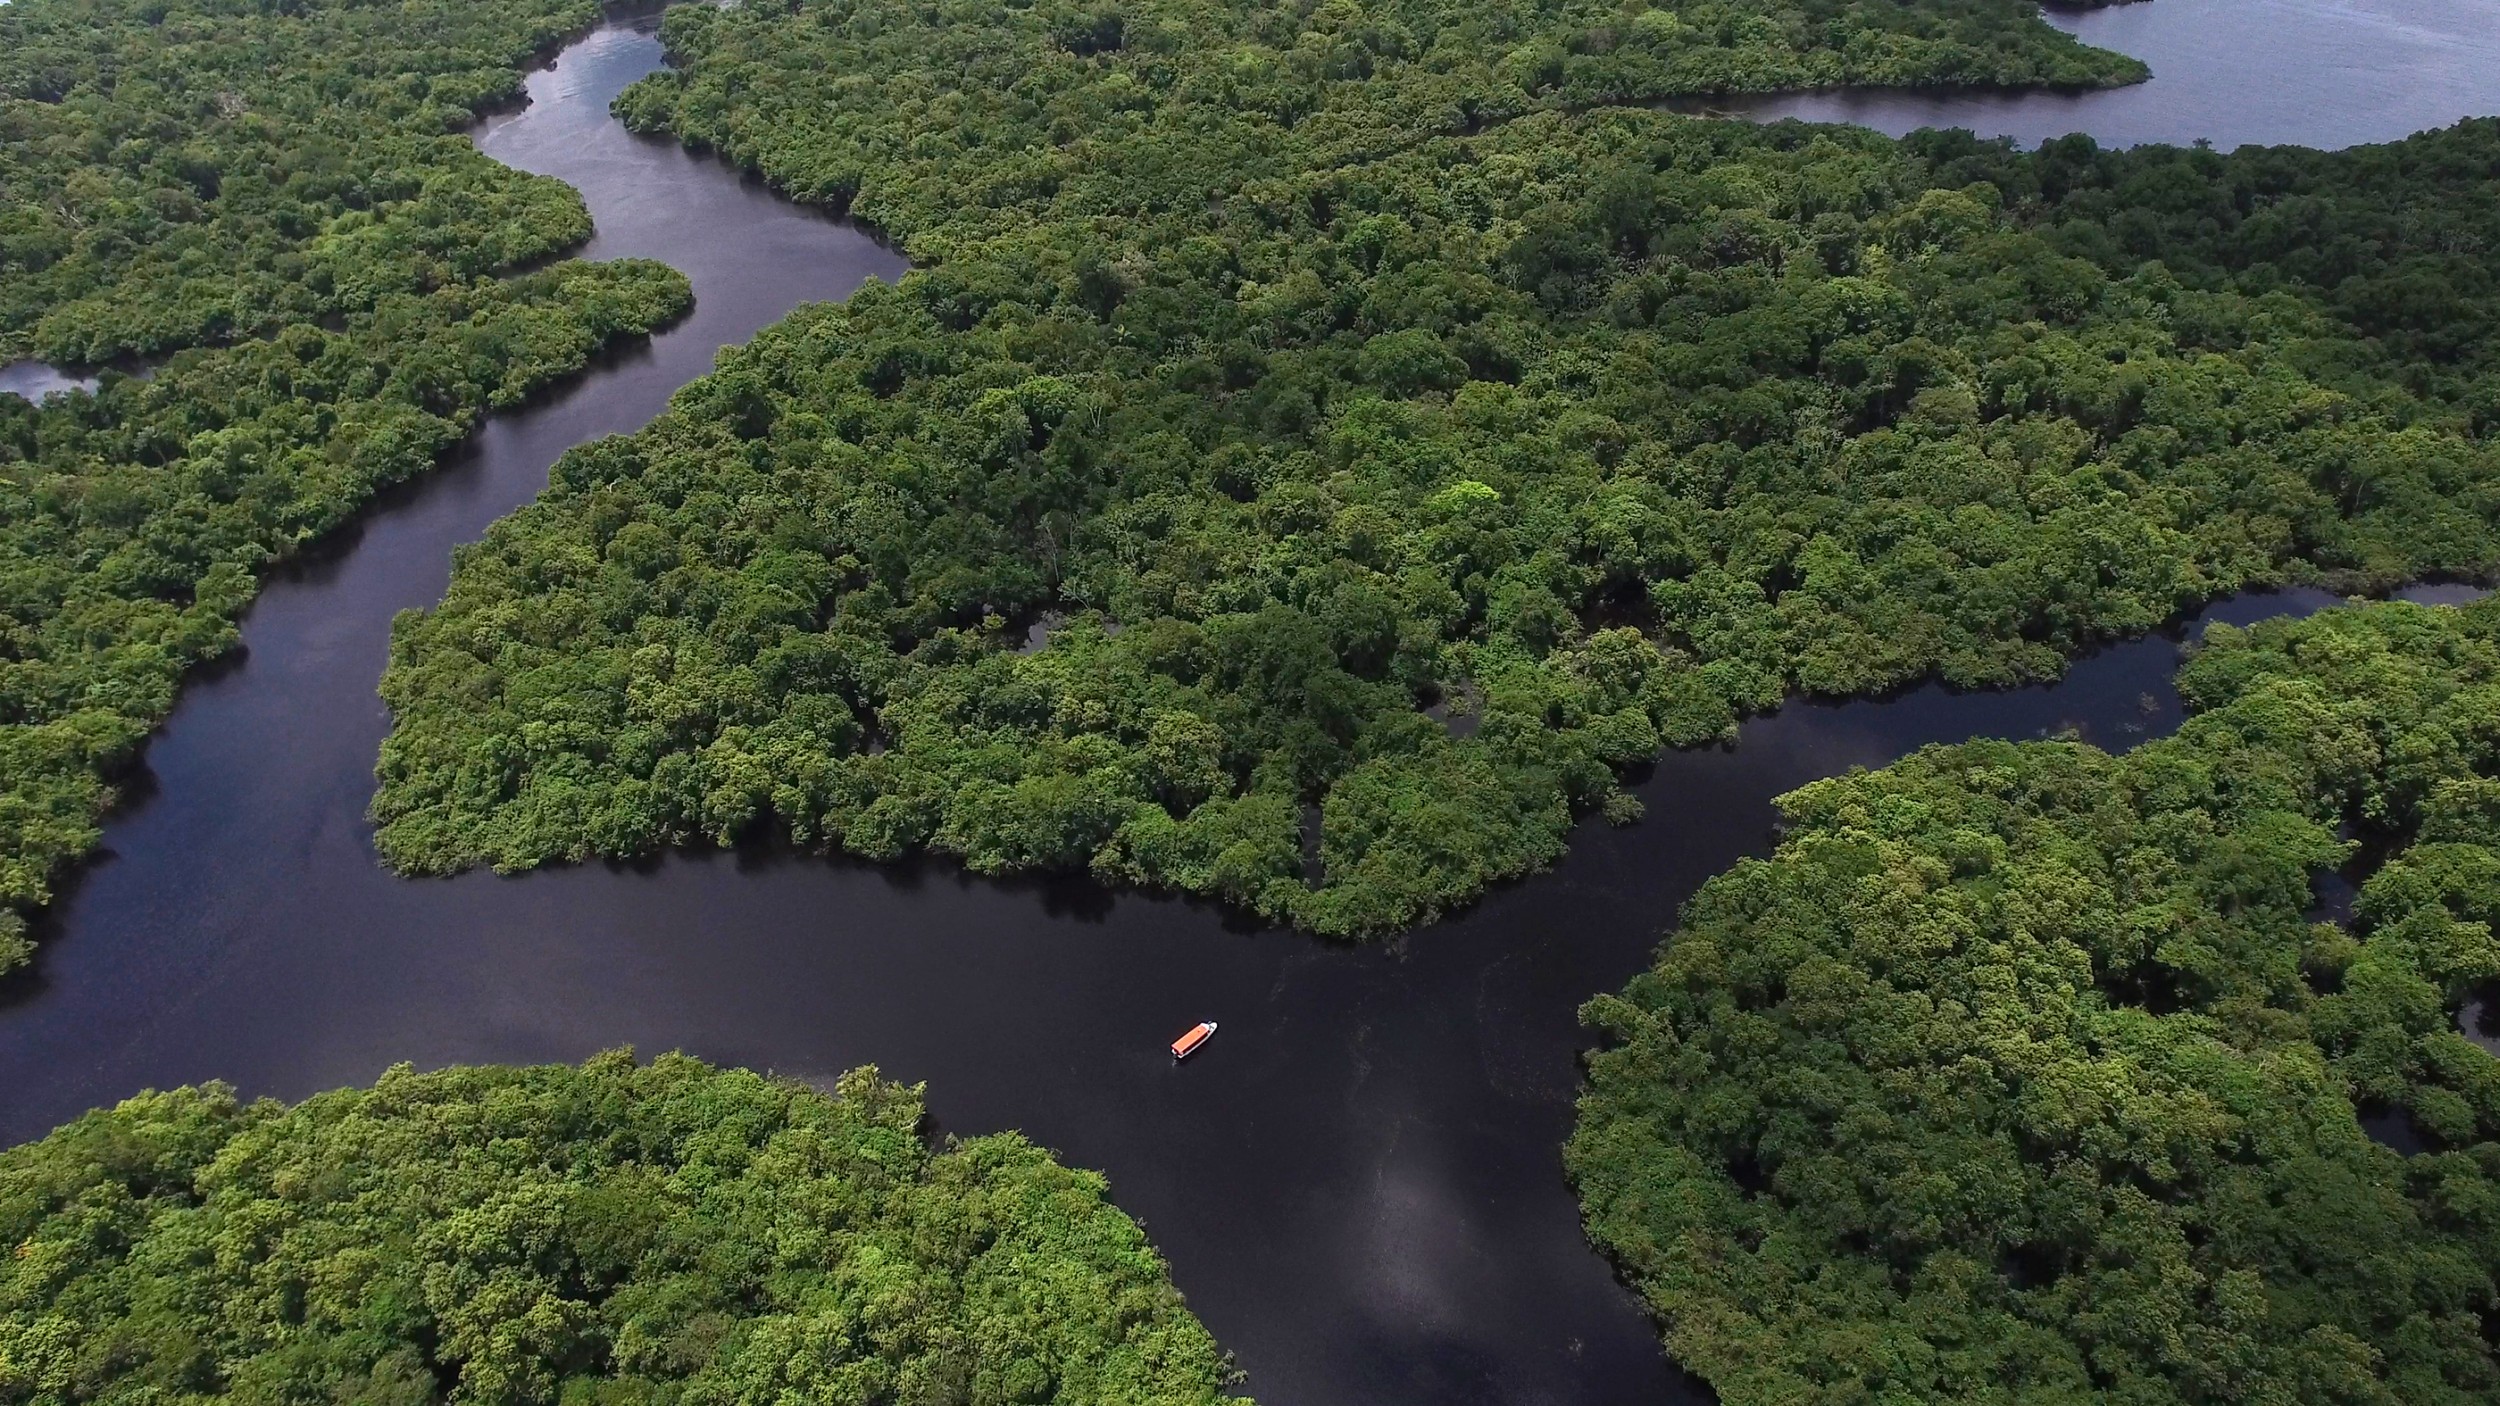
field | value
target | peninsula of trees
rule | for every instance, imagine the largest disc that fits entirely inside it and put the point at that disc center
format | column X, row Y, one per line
column 614, row 1234
column 2024, row 1072
column 1310, row 374
column 278, row 198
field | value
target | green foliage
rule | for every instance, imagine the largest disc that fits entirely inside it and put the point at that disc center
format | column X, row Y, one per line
column 1324, row 369
column 949, row 123
column 176, row 173
column 608, row 1234
column 335, row 216
column 2389, row 238
column 2021, row 1073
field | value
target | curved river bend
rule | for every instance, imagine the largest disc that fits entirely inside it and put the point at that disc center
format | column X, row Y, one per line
column 1358, row 1184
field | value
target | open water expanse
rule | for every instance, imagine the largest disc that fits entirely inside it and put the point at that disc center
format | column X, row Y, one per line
column 1358, row 1184
column 2322, row 73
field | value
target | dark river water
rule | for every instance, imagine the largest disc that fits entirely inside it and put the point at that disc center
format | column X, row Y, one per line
column 1358, row 1183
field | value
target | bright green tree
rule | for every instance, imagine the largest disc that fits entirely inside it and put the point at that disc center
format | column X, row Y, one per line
column 614, row 1233
column 2022, row 1072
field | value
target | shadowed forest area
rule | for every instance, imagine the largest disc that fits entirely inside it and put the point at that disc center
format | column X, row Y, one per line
column 1323, row 371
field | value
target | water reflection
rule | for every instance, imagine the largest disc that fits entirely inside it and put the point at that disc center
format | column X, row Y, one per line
column 2320, row 73
column 34, row 380
column 2480, row 1019
column 1358, row 1186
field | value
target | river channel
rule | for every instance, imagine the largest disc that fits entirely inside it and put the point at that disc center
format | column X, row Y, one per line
column 1358, row 1184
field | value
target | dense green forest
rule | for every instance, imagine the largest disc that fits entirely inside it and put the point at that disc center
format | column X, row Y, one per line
column 614, row 1234
column 278, row 196
column 2024, row 1072
column 182, row 174
column 1391, row 418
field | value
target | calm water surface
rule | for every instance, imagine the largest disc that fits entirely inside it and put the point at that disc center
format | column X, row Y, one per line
column 1358, row 1184
column 34, row 380
column 2322, row 73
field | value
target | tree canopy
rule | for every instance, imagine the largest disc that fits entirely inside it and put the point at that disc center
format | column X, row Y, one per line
column 1303, row 376
column 2022, row 1072
column 179, row 173
column 616, row 1233
column 277, row 199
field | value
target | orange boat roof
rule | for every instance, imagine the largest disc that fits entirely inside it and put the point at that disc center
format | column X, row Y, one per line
column 1196, row 1036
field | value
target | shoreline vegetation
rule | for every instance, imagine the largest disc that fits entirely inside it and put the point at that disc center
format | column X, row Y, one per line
column 1317, row 374
column 623, row 1234
column 280, row 203
column 1379, row 413
column 2023, row 1071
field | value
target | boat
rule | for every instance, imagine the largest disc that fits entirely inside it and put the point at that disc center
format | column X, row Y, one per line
column 1188, row 1044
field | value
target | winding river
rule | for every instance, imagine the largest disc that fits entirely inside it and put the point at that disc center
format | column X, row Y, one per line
column 1358, row 1185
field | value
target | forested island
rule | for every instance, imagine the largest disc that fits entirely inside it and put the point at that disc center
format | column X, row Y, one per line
column 281, row 201
column 1400, row 428
column 2023, row 1071
column 616, row 1233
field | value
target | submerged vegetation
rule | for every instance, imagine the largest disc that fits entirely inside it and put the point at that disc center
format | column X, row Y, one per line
column 279, row 198
column 615, row 1233
column 2022, row 1071
column 1311, row 367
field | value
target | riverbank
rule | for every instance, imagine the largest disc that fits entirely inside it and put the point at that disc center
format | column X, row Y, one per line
column 1358, row 1186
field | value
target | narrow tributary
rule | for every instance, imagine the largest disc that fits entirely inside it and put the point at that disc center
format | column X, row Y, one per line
column 1358, row 1183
